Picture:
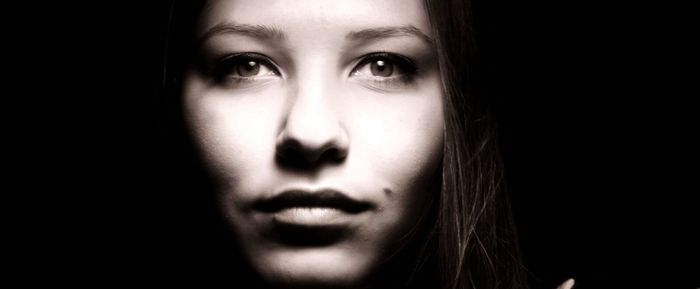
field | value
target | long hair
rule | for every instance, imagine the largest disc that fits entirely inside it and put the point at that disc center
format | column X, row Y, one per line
column 467, row 238
column 476, row 237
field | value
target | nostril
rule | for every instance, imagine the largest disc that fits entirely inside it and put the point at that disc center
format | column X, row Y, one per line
column 291, row 158
column 309, row 147
column 334, row 155
column 294, row 155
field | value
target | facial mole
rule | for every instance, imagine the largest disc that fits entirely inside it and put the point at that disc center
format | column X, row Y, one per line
column 387, row 191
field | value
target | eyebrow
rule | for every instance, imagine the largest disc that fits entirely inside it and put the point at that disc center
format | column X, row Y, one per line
column 274, row 33
column 256, row 31
column 387, row 32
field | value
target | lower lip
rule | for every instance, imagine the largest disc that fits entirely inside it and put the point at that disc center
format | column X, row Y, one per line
column 312, row 216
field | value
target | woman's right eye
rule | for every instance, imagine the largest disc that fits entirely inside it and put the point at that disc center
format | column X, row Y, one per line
column 244, row 67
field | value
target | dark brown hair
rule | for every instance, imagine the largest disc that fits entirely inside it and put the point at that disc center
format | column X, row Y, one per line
column 476, row 236
column 468, row 238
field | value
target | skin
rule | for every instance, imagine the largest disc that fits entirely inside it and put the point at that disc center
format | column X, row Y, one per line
column 375, row 136
column 568, row 284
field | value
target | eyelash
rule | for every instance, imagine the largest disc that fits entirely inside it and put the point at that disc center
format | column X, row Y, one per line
column 407, row 69
column 224, row 68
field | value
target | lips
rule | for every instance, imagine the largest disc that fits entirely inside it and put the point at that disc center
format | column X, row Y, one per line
column 299, row 199
column 311, row 218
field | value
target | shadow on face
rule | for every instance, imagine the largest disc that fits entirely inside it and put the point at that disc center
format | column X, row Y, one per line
column 322, row 125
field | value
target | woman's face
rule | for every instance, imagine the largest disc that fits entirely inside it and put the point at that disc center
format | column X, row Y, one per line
column 321, row 123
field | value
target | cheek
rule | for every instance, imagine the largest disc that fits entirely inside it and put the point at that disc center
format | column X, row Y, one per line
column 401, row 136
column 399, row 140
column 234, row 134
column 407, row 149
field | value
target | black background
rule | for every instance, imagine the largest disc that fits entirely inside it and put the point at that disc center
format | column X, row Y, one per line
column 596, row 128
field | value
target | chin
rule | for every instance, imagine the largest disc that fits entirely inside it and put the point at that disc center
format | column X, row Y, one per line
column 325, row 267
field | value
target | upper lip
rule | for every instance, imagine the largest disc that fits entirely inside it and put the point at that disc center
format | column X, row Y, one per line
column 327, row 198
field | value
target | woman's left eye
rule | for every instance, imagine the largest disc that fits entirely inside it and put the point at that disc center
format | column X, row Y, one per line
column 384, row 67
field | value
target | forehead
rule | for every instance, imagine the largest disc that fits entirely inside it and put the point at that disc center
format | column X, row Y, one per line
column 320, row 15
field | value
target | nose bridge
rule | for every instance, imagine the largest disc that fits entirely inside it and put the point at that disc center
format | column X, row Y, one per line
column 312, row 114
column 313, row 121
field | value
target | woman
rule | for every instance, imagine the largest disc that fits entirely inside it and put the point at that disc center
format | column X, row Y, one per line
column 344, row 142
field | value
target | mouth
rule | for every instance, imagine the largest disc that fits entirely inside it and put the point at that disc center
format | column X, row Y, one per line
column 311, row 218
column 328, row 199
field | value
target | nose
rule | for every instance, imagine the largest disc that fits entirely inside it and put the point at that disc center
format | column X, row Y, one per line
column 312, row 133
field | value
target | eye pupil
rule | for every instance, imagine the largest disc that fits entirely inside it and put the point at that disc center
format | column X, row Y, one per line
column 381, row 68
column 250, row 68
